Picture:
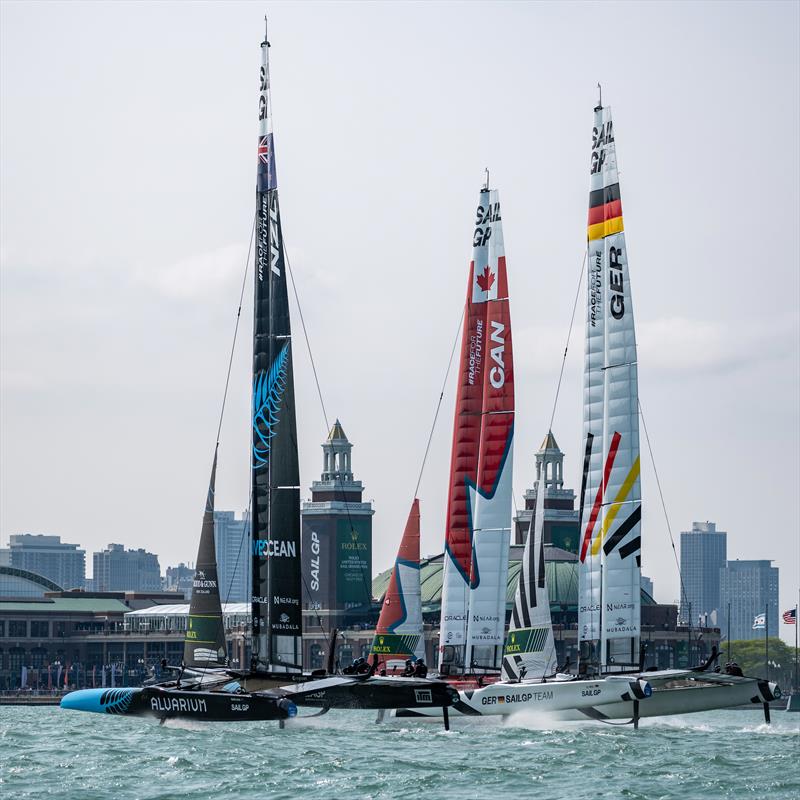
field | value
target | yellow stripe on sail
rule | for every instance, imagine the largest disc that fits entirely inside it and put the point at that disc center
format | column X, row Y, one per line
column 606, row 228
column 622, row 495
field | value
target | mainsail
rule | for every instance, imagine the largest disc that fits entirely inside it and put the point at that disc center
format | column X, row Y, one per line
column 530, row 649
column 204, row 643
column 276, row 582
column 609, row 602
column 399, row 630
column 479, row 503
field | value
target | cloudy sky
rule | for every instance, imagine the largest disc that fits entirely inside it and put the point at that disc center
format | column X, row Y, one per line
column 127, row 186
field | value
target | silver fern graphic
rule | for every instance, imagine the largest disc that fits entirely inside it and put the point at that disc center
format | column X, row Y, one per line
column 267, row 394
column 117, row 701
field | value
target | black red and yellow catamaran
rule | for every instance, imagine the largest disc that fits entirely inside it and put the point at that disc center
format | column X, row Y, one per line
column 275, row 684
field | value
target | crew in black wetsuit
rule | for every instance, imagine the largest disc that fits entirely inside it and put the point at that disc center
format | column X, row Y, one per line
column 420, row 670
column 408, row 672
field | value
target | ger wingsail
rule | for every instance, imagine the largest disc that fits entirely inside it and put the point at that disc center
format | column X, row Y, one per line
column 611, row 497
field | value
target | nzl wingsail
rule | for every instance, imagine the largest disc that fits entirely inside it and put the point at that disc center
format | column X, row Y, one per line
column 530, row 650
column 398, row 634
column 478, row 520
column 275, row 480
column 611, row 498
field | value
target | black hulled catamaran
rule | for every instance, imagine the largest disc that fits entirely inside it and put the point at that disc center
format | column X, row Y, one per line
column 206, row 688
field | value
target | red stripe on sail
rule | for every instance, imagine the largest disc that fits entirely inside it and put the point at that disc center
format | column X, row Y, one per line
column 466, row 432
column 598, row 500
column 604, row 212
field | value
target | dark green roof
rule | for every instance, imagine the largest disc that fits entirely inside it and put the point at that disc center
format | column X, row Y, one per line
column 56, row 605
column 561, row 577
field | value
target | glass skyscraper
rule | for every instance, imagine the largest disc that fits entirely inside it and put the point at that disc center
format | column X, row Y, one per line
column 704, row 551
column 749, row 588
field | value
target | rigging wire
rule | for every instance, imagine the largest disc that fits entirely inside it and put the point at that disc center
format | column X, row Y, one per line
column 684, row 598
column 236, row 327
column 569, row 336
column 439, row 403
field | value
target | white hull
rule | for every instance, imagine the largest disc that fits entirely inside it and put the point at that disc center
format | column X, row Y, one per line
column 612, row 698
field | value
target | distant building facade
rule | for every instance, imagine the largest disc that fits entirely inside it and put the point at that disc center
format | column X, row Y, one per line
column 119, row 570
column 561, row 518
column 337, row 540
column 646, row 584
column 178, row 579
column 232, row 540
column 48, row 556
column 704, row 552
column 749, row 588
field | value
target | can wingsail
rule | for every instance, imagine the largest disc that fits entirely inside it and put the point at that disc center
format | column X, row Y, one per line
column 609, row 606
column 276, row 581
column 204, row 643
column 399, row 630
column 530, row 649
column 479, row 504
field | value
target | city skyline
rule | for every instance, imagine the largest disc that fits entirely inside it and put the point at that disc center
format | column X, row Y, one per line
column 121, row 281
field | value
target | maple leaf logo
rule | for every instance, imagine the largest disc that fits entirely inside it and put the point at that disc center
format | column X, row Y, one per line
column 485, row 279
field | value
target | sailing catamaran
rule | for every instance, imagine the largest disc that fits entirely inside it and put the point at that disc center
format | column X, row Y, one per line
column 274, row 683
column 609, row 555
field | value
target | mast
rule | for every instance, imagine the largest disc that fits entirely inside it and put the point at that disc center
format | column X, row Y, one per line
column 276, row 580
column 610, row 550
column 478, row 526
column 398, row 633
column 529, row 644
column 204, row 643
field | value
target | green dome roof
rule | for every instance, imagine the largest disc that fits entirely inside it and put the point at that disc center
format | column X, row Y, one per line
column 561, row 574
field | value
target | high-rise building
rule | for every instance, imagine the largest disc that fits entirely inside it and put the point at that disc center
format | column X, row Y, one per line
column 179, row 579
column 62, row 563
column 749, row 588
column 704, row 551
column 119, row 570
column 337, row 538
column 232, row 540
column 646, row 584
column 561, row 518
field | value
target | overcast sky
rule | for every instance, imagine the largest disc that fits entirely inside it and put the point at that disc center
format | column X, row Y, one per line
column 127, row 173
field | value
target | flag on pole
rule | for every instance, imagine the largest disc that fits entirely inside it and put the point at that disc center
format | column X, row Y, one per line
column 23, row 678
column 760, row 622
column 790, row 616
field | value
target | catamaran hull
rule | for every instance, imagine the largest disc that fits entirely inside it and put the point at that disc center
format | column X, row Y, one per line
column 374, row 692
column 692, row 697
column 180, row 704
column 502, row 698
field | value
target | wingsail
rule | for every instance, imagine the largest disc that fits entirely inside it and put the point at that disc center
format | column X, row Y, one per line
column 609, row 600
column 276, row 580
column 479, row 503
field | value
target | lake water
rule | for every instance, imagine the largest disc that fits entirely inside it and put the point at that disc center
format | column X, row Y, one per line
column 50, row 753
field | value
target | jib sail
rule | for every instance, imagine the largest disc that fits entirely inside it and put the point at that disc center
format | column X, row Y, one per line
column 204, row 643
column 609, row 553
column 276, row 580
column 530, row 649
column 399, row 630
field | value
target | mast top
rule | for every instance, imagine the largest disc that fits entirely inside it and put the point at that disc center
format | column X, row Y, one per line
column 265, row 43
column 599, row 105
column 486, row 180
